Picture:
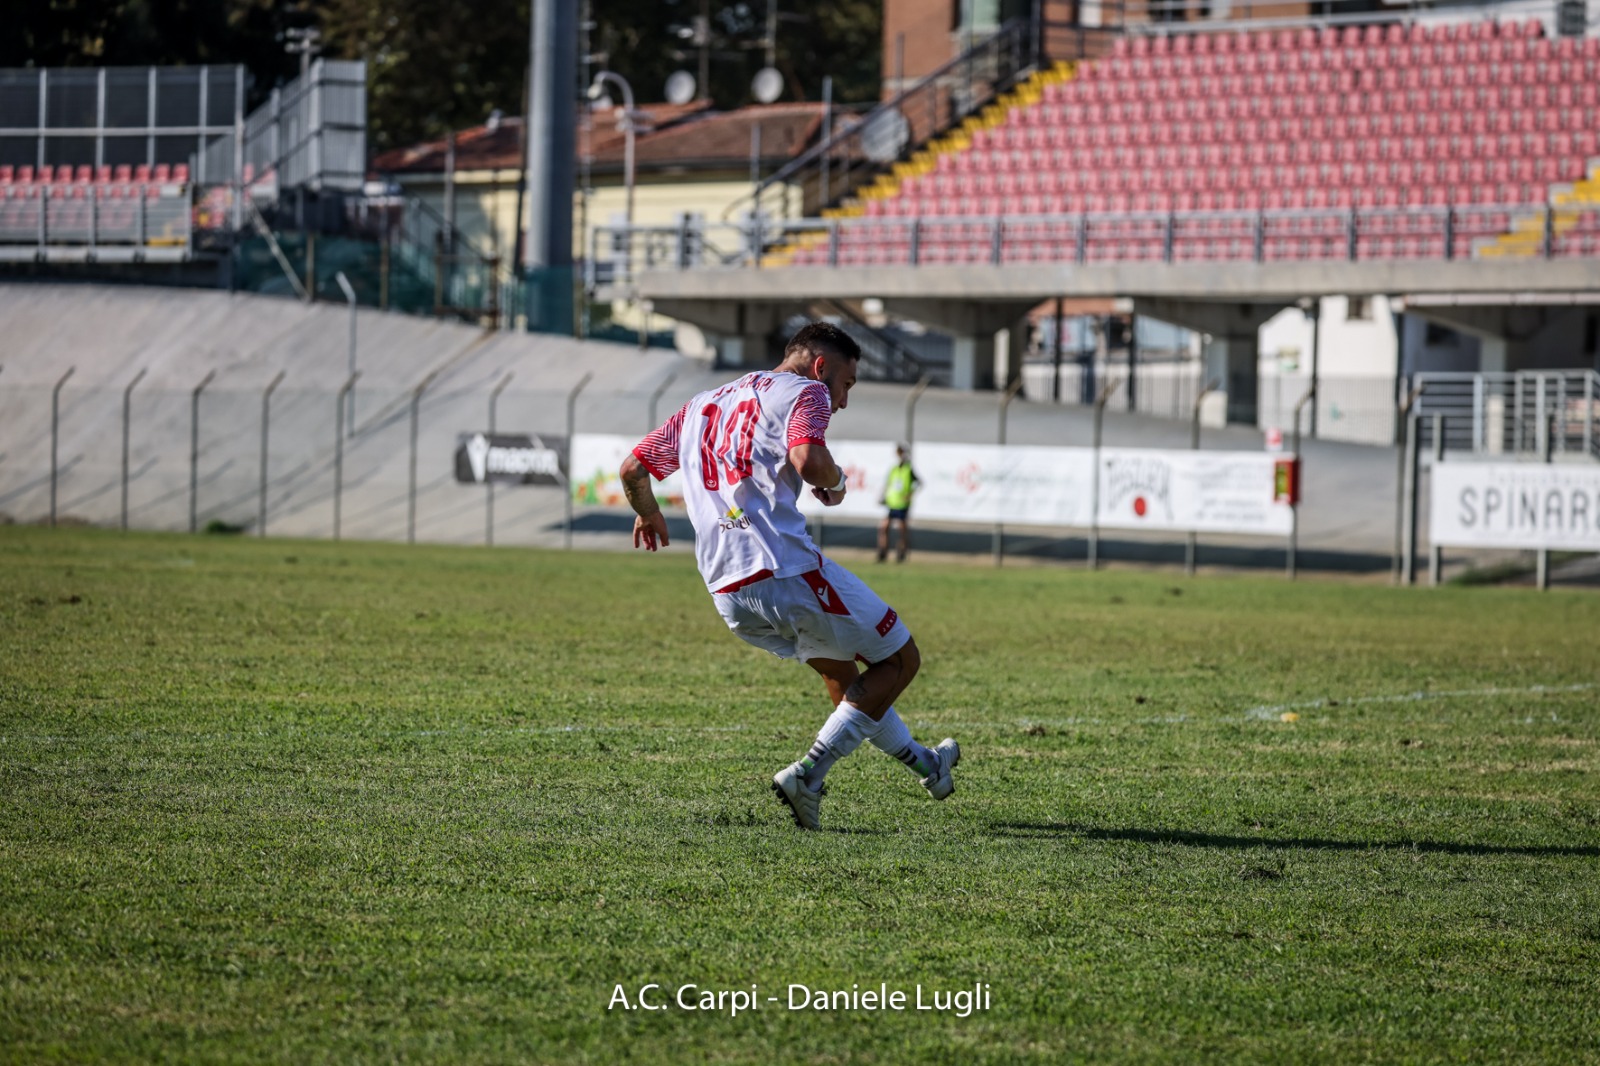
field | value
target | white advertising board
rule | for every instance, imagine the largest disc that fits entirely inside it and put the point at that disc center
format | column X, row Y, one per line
column 596, row 460
column 1208, row 492
column 1515, row 505
column 866, row 464
column 1017, row 485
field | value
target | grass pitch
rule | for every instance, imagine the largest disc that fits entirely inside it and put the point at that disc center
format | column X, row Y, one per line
column 314, row 802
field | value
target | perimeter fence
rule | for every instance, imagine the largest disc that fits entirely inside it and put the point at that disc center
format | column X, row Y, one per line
column 488, row 460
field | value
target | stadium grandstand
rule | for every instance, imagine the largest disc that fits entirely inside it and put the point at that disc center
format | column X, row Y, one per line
column 1471, row 124
column 1199, row 167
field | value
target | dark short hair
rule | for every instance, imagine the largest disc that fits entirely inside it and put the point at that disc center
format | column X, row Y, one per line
column 822, row 338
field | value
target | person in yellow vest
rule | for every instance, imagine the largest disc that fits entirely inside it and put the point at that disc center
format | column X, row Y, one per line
column 897, row 490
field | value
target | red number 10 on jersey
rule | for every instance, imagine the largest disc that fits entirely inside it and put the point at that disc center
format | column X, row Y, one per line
column 730, row 457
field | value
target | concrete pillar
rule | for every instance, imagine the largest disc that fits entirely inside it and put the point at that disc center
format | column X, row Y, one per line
column 972, row 361
column 1233, row 362
column 988, row 339
column 1232, row 354
column 746, row 351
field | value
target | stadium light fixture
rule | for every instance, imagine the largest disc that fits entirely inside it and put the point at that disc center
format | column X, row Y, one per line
column 596, row 90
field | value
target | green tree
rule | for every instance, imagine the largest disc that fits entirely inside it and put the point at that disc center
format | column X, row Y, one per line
column 437, row 65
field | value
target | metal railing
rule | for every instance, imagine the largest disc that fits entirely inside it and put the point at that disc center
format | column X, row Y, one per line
column 1511, row 413
column 1349, row 234
column 866, row 146
column 101, row 221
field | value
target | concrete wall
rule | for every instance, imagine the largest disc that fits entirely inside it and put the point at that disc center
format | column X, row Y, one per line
column 110, row 334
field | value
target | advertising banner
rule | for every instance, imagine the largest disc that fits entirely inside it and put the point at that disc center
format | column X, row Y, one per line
column 1208, row 492
column 518, row 458
column 1217, row 492
column 596, row 460
column 1515, row 505
column 866, row 464
column 1014, row 484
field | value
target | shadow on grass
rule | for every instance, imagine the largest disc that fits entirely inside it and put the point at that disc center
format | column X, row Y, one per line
column 1066, row 830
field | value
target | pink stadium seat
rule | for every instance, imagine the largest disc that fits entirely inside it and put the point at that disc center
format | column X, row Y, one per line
column 7, row 174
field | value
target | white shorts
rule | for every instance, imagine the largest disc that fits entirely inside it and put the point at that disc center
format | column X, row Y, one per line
column 825, row 614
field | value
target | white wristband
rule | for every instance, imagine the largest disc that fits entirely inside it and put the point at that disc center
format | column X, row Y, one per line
column 844, row 479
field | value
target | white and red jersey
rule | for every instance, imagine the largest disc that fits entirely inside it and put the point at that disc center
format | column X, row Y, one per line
column 732, row 445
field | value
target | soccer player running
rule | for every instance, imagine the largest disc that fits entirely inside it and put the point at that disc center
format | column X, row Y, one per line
column 746, row 450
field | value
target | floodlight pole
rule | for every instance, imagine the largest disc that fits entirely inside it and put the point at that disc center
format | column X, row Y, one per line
column 1294, row 507
column 595, row 90
column 1192, row 547
column 1094, row 496
column 55, row 434
column 127, row 408
column 350, row 295
column 194, row 450
column 488, row 482
column 572, row 409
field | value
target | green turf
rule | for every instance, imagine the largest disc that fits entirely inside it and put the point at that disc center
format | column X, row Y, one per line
column 313, row 802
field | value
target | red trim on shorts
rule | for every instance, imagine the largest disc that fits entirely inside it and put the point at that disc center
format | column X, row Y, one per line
column 759, row 575
column 827, row 595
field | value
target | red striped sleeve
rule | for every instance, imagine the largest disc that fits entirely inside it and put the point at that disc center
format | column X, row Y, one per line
column 808, row 421
column 659, row 451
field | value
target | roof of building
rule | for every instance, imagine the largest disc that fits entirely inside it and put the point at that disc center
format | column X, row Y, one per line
column 670, row 137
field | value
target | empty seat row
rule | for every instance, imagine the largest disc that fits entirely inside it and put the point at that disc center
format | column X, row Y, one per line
column 15, row 193
column 1307, row 38
column 1536, row 136
column 124, row 174
column 1273, row 199
column 1379, row 58
column 1543, row 171
column 1553, row 73
column 1461, row 88
column 1401, row 110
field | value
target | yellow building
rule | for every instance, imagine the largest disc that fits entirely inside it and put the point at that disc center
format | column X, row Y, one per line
column 688, row 160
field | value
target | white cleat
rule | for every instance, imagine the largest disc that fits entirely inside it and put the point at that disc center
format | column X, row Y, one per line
column 939, row 783
column 790, row 785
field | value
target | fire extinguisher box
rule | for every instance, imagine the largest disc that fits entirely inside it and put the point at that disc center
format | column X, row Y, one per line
column 1286, row 481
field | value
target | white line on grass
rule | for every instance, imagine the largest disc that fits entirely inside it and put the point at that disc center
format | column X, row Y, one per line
column 1264, row 713
column 1272, row 713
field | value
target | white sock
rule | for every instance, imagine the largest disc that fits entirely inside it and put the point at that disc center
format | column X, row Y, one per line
column 841, row 734
column 893, row 738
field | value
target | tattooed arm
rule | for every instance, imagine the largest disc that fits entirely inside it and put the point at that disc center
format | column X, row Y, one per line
column 649, row 525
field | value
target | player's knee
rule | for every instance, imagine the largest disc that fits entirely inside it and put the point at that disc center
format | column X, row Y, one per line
column 910, row 660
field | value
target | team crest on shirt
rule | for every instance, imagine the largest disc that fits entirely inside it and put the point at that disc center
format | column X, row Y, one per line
column 734, row 519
